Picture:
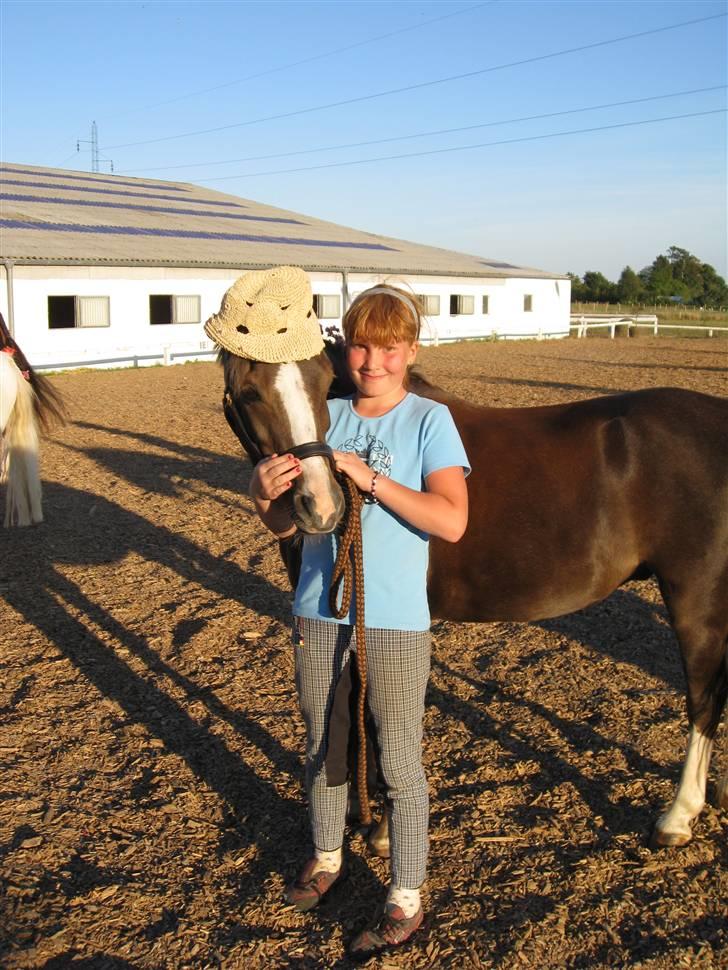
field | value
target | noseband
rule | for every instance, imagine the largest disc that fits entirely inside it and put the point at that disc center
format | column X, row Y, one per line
column 238, row 421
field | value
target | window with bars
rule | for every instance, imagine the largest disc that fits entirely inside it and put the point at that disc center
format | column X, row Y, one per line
column 326, row 306
column 430, row 304
column 67, row 312
column 461, row 304
column 527, row 302
column 166, row 308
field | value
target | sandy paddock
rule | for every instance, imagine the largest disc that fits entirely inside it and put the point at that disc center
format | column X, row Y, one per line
column 150, row 743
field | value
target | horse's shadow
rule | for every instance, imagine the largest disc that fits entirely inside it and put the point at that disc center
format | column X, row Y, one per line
column 36, row 586
column 165, row 474
column 624, row 628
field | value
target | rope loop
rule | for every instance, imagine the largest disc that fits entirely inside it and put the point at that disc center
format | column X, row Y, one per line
column 348, row 574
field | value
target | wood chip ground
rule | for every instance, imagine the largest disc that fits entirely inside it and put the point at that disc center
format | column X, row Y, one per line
column 151, row 808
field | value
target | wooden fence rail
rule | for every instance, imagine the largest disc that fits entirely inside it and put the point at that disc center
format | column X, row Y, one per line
column 582, row 323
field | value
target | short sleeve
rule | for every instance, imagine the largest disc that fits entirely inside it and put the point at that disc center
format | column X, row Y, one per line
column 442, row 446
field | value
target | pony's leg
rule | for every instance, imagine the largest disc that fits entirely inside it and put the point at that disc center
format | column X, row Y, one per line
column 703, row 645
column 723, row 792
column 674, row 827
column 378, row 838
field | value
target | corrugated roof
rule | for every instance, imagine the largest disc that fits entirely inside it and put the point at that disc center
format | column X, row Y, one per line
column 64, row 217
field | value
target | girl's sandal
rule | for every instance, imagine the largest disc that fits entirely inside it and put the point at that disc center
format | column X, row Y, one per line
column 311, row 887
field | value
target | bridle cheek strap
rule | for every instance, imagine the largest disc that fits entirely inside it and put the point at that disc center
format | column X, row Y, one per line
column 242, row 431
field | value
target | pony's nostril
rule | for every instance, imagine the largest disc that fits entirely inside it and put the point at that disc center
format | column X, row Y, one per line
column 241, row 328
column 307, row 502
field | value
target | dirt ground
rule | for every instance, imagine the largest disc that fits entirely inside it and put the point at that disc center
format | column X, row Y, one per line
column 151, row 808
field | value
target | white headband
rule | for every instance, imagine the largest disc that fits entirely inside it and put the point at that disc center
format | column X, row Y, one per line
column 400, row 296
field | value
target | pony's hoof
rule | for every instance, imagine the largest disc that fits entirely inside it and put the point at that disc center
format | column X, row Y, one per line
column 664, row 840
column 378, row 839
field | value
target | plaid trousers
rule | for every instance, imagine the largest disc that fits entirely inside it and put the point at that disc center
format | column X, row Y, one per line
column 398, row 667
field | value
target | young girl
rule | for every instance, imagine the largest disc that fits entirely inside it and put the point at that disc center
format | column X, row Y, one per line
column 405, row 454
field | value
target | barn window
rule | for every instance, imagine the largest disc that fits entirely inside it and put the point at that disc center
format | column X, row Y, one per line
column 527, row 302
column 486, row 307
column 165, row 309
column 67, row 312
column 430, row 304
column 461, row 304
column 327, row 307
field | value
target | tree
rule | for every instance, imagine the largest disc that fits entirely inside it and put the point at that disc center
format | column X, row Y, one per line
column 674, row 274
column 715, row 288
column 578, row 292
column 598, row 288
column 678, row 273
column 630, row 288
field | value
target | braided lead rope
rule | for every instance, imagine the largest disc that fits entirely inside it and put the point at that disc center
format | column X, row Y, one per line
column 349, row 567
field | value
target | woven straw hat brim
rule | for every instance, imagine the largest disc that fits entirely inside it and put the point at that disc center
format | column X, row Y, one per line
column 267, row 315
column 281, row 349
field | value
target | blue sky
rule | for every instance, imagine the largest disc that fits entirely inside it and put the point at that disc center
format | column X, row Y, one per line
column 148, row 72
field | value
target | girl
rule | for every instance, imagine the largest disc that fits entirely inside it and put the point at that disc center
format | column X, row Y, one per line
column 404, row 453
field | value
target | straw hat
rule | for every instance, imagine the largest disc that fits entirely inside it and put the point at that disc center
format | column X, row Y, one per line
column 267, row 315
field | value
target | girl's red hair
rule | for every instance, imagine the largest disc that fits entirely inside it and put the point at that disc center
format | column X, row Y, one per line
column 382, row 318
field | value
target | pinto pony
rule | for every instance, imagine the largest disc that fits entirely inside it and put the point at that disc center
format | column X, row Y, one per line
column 28, row 403
column 567, row 503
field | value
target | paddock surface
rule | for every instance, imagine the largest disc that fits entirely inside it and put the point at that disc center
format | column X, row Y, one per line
column 150, row 743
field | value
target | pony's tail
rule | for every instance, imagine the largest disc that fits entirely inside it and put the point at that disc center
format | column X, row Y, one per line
column 19, row 463
column 47, row 402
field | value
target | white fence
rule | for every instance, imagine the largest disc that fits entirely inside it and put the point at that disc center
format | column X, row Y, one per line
column 582, row 323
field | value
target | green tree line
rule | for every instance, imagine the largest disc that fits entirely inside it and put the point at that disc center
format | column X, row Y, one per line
column 675, row 276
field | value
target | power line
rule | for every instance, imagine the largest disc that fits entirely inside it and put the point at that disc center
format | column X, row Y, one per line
column 462, row 148
column 318, row 57
column 425, row 134
column 422, row 84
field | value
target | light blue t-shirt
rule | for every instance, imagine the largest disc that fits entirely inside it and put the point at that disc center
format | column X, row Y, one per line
column 408, row 443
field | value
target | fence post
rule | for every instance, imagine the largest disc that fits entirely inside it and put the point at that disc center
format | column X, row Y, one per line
column 612, row 330
column 167, row 356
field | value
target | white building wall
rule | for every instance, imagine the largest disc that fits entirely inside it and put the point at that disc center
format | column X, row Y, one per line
column 130, row 339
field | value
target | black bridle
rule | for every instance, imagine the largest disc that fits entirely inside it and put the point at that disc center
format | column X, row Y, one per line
column 238, row 421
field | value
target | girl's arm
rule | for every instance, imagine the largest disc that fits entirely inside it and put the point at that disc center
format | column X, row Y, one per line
column 270, row 479
column 441, row 510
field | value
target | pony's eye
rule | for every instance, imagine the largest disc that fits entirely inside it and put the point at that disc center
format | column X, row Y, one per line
column 285, row 307
column 282, row 330
column 248, row 304
column 241, row 328
column 249, row 395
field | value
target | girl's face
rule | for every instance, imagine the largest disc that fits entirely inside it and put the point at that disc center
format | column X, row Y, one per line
column 380, row 371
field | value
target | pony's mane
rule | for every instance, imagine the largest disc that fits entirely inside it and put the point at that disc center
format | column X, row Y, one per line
column 47, row 402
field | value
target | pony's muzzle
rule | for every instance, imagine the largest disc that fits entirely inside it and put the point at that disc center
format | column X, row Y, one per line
column 318, row 502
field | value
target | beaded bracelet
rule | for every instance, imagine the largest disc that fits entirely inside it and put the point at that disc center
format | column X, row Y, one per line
column 373, row 489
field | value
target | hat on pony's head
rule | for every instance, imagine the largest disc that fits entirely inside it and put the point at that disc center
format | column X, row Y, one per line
column 267, row 315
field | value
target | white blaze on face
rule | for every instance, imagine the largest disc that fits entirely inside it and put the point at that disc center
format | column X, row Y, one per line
column 297, row 407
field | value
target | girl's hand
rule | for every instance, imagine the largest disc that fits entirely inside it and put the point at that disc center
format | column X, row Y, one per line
column 356, row 469
column 273, row 476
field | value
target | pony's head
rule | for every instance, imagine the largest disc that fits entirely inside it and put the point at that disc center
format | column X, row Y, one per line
column 278, row 407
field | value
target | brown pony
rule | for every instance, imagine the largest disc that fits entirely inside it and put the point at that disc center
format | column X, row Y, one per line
column 568, row 502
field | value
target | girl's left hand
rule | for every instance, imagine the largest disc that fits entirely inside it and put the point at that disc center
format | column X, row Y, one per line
column 357, row 470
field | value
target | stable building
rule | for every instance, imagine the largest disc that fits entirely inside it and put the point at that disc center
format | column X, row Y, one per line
column 106, row 271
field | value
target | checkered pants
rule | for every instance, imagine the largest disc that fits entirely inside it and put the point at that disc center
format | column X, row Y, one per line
column 398, row 666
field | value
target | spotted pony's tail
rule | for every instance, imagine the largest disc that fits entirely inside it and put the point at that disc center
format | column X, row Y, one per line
column 20, row 444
